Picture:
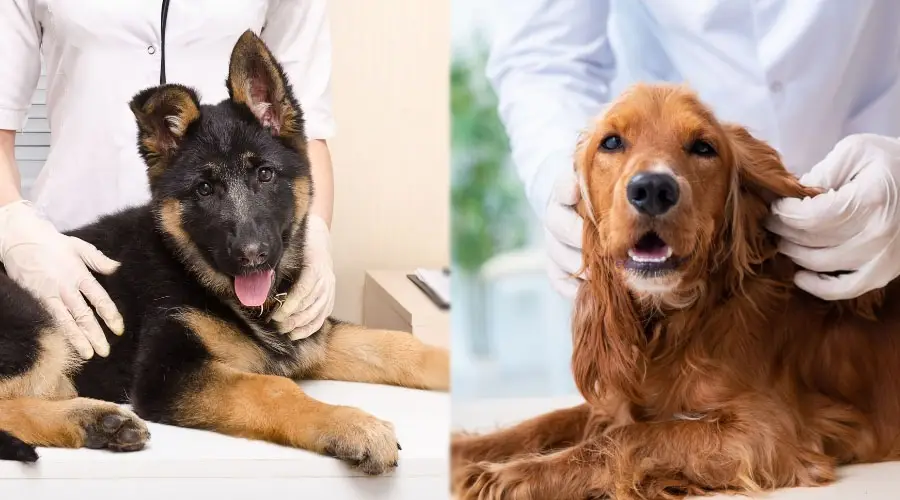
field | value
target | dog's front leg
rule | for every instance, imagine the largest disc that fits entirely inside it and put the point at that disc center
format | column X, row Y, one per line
column 196, row 370
column 542, row 434
column 275, row 409
column 357, row 354
column 741, row 448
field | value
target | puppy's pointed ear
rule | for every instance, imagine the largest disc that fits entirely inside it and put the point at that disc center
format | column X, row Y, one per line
column 257, row 81
column 164, row 114
column 758, row 179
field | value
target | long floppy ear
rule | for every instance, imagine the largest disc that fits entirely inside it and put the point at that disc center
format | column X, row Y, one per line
column 609, row 346
column 164, row 114
column 257, row 81
column 759, row 178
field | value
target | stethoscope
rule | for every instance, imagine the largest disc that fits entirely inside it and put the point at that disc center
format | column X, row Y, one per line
column 162, row 61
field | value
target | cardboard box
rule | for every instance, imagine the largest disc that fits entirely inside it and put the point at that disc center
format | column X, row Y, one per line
column 391, row 301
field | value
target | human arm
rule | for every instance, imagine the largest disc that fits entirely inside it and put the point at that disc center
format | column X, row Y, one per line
column 299, row 36
column 551, row 65
column 51, row 266
column 853, row 226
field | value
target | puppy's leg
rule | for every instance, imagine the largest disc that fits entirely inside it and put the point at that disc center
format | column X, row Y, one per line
column 549, row 432
column 200, row 371
column 73, row 423
column 37, row 400
column 275, row 409
column 356, row 354
column 743, row 448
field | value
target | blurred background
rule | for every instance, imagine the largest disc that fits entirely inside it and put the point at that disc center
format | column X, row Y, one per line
column 510, row 328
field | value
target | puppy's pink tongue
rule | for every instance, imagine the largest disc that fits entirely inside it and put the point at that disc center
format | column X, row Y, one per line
column 253, row 289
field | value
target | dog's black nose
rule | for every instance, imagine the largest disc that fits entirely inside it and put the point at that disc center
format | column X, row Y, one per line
column 253, row 254
column 652, row 194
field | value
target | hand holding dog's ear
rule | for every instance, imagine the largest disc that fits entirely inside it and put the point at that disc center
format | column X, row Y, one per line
column 563, row 227
column 852, row 226
column 311, row 300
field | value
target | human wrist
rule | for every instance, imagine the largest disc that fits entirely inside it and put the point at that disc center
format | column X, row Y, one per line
column 318, row 234
column 15, row 217
column 9, row 196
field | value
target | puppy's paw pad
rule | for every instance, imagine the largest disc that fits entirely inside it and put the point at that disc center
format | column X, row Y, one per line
column 364, row 441
column 115, row 429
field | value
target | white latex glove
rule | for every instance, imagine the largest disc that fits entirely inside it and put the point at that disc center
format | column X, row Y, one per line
column 853, row 226
column 311, row 300
column 563, row 227
column 54, row 268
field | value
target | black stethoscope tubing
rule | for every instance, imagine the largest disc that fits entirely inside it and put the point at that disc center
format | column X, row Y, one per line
column 162, row 62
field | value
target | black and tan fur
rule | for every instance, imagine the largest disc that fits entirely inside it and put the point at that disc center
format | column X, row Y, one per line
column 191, row 354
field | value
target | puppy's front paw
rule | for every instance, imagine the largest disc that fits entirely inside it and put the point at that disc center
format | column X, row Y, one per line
column 114, row 428
column 360, row 439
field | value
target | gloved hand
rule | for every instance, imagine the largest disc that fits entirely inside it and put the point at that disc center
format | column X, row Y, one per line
column 311, row 300
column 562, row 227
column 853, row 226
column 54, row 268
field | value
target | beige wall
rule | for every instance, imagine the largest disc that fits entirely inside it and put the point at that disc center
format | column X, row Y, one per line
column 392, row 150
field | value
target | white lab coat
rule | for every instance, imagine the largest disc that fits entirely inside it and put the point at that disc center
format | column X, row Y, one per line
column 800, row 74
column 99, row 53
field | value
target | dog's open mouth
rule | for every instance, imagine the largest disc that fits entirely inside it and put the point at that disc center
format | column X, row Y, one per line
column 253, row 289
column 651, row 255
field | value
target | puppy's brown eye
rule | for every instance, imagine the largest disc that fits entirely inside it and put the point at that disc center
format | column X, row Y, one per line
column 701, row 148
column 611, row 143
column 204, row 189
column 265, row 174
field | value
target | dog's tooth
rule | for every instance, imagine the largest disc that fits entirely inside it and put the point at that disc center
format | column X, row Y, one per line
column 668, row 251
column 645, row 259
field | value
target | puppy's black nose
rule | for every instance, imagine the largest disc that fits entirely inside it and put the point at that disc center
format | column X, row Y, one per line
column 252, row 254
column 652, row 193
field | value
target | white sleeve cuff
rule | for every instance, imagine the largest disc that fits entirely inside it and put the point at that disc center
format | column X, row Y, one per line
column 319, row 124
column 540, row 188
column 13, row 119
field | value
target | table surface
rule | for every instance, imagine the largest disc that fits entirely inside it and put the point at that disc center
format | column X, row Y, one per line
column 420, row 418
column 869, row 482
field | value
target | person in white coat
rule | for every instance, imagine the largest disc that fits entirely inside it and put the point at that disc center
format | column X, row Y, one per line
column 820, row 81
column 97, row 55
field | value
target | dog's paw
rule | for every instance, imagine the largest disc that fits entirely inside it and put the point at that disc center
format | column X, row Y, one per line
column 362, row 440
column 488, row 481
column 114, row 428
column 532, row 478
column 13, row 448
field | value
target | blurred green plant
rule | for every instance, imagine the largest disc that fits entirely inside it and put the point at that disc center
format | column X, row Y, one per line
column 488, row 203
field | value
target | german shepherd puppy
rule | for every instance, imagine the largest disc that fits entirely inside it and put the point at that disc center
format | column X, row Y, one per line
column 202, row 267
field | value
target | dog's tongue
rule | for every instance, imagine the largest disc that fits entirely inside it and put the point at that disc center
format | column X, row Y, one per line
column 253, row 289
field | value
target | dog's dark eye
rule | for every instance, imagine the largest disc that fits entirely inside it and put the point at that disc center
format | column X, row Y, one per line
column 204, row 189
column 265, row 174
column 611, row 143
column 701, row 148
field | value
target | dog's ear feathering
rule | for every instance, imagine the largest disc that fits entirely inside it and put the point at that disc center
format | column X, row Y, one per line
column 607, row 335
column 608, row 344
column 759, row 178
column 257, row 81
column 163, row 114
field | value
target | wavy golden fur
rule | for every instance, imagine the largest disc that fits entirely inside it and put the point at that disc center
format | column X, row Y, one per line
column 718, row 375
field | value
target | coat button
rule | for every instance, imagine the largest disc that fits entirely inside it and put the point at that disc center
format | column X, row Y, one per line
column 151, row 49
